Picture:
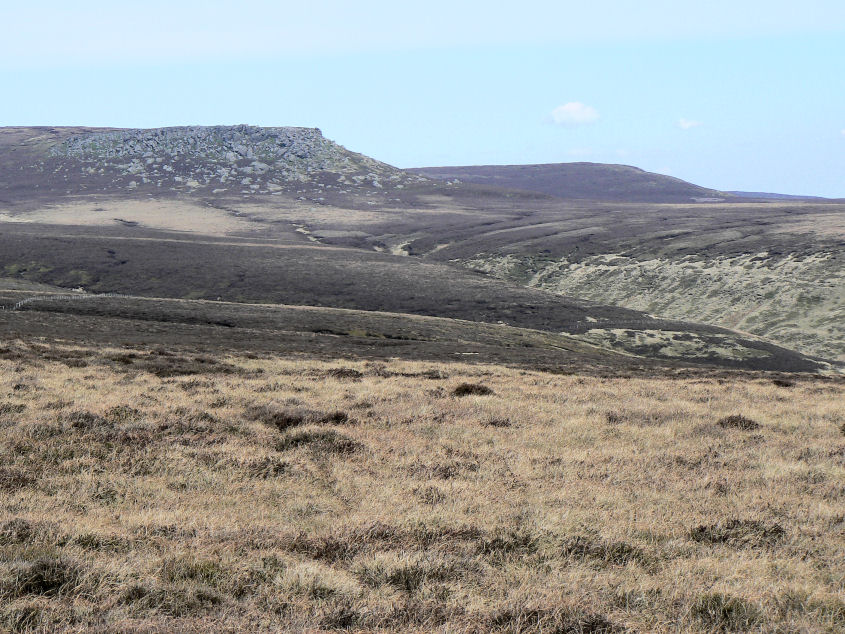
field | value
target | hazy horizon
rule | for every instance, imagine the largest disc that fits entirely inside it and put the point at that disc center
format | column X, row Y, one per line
column 734, row 98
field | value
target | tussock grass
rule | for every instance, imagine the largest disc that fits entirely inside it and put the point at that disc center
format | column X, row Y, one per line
column 738, row 421
column 13, row 479
column 283, row 418
column 249, row 499
column 321, row 441
column 472, row 389
column 739, row 532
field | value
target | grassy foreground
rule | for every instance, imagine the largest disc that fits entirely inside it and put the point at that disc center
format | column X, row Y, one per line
column 160, row 491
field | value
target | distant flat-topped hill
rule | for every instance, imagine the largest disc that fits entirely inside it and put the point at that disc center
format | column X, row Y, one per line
column 229, row 160
column 773, row 196
column 588, row 181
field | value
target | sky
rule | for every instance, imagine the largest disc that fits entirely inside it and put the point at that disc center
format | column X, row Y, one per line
column 740, row 95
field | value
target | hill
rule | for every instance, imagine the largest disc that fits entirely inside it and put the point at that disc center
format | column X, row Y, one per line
column 580, row 181
column 283, row 215
column 252, row 381
column 771, row 196
column 48, row 162
column 239, row 270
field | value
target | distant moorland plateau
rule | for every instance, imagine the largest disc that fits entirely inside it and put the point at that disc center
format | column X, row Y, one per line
column 611, row 256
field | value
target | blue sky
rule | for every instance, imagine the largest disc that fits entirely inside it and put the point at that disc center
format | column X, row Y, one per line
column 734, row 97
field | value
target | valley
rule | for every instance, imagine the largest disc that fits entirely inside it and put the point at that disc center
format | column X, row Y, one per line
column 329, row 235
column 253, row 381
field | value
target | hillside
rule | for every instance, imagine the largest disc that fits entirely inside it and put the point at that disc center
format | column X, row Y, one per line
column 772, row 196
column 234, row 270
column 160, row 489
column 283, row 215
column 580, row 181
column 252, row 381
column 48, row 162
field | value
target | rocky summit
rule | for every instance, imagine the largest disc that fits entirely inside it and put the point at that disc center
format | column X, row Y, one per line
column 239, row 159
column 222, row 143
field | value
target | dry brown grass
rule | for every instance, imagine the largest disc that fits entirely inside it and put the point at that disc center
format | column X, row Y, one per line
column 266, row 494
column 170, row 215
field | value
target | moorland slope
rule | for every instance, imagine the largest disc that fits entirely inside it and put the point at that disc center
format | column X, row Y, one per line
column 316, row 404
column 161, row 490
column 283, row 215
column 581, row 181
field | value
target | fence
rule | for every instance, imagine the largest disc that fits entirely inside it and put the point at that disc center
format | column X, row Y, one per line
column 42, row 298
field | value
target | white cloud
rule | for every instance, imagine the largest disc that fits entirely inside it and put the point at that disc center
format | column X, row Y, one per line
column 574, row 113
column 686, row 124
column 843, row 132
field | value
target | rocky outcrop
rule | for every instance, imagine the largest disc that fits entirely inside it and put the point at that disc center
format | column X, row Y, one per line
column 235, row 159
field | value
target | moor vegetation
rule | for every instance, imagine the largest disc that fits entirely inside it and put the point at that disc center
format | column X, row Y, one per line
column 157, row 490
column 580, row 181
column 284, row 215
column 242, row 273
